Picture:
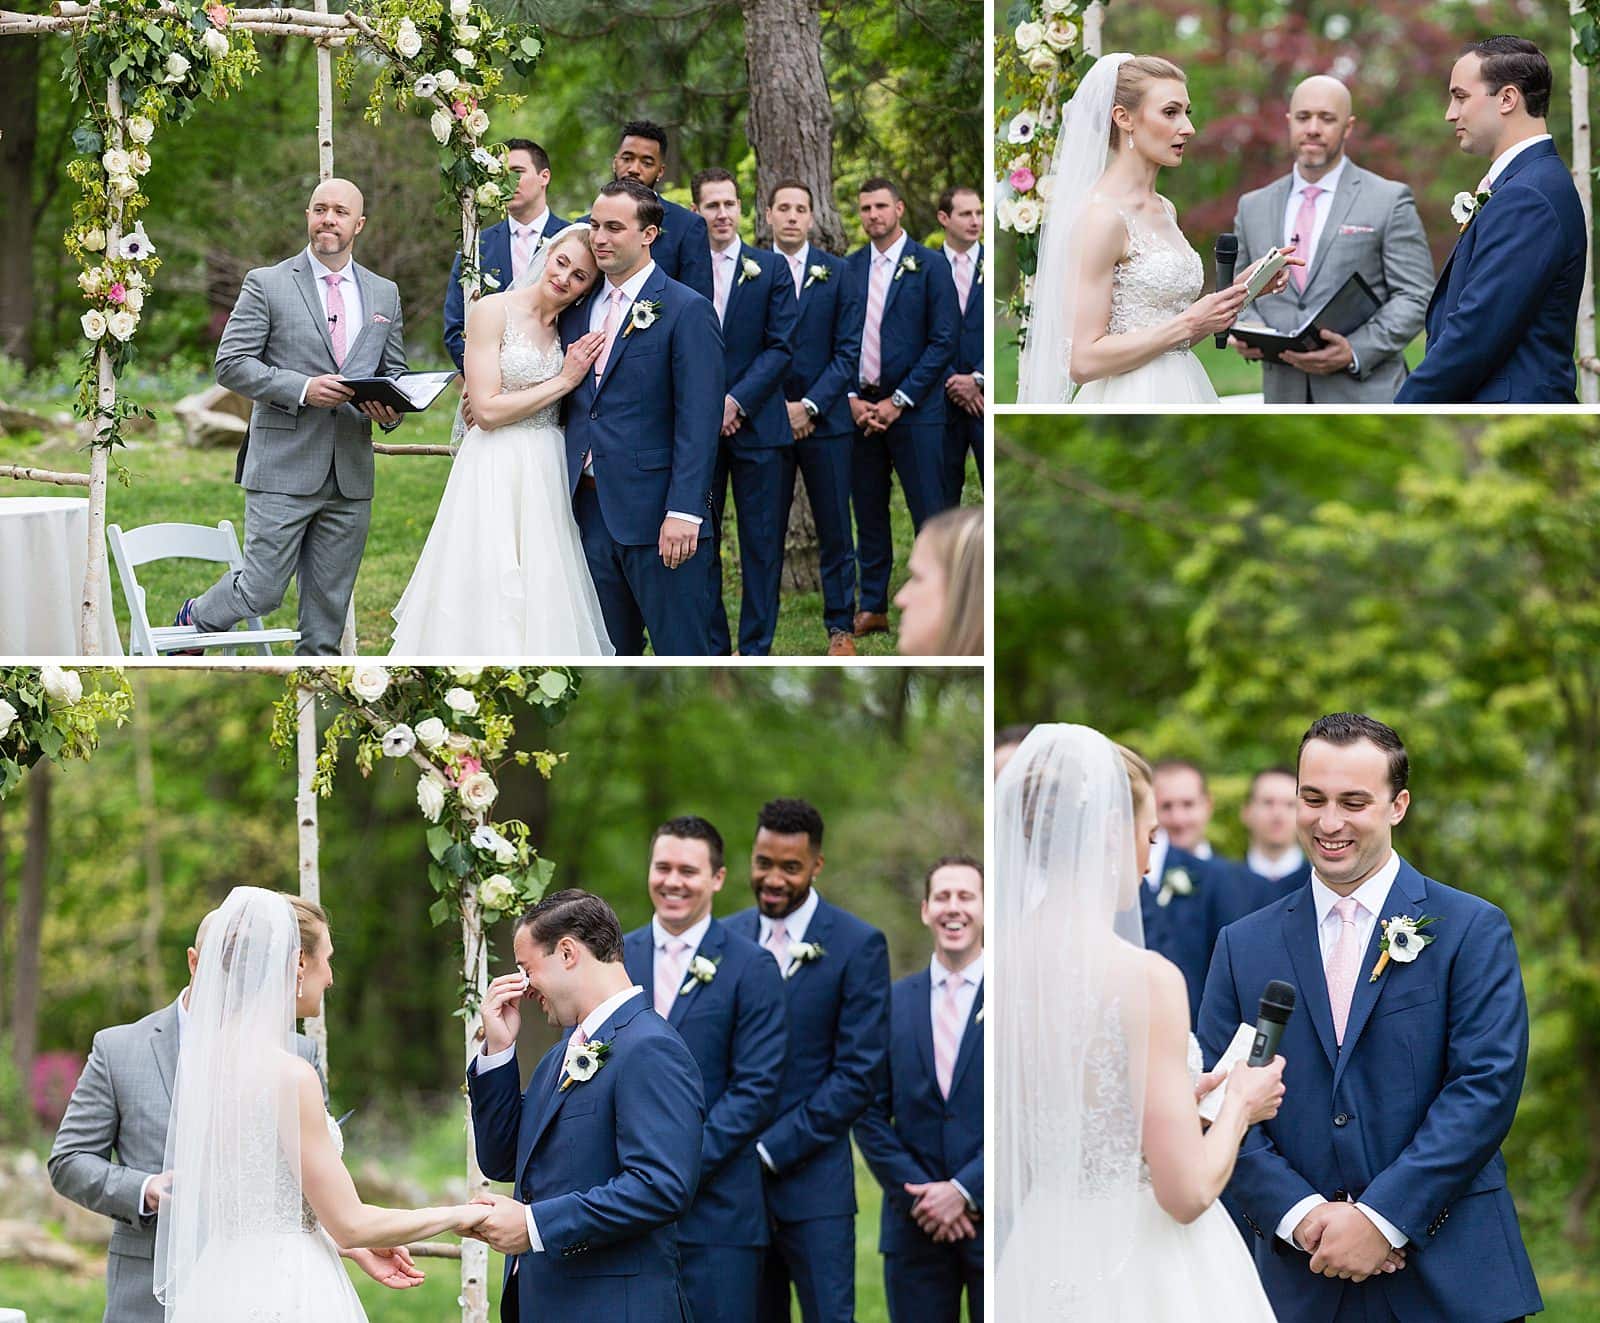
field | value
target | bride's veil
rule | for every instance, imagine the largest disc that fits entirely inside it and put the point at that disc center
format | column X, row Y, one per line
column 1083, row 148
column 1070, row 1024
column 530, row 276
column 233, row 1139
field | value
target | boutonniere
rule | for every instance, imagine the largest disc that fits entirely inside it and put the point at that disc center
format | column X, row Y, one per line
column 977, row 273
column 701, row 970
column 907, row 263
column 642, row 315
column 749, row 269
column 815, row 272
column 582, row 1063
column 803, row 953
column 1403, row 940
column 1176, row 882
column 1466, row 206
column 978, row 1018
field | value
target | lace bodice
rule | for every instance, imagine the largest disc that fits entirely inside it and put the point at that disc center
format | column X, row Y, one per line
column 523, row 363
column 1155, row 281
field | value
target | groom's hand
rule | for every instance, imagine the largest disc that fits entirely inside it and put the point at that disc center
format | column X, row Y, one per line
column 1334, row 356
column 506, row 1226
column 502, row 1012
column 678, row 540
column 1350, row 1246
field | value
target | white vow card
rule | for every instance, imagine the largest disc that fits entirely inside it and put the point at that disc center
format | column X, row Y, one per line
column 1238, row 1050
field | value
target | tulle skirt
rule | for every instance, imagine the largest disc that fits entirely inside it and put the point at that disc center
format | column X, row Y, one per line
column 1175, row 378
column 503, row 572
column 289, row 1277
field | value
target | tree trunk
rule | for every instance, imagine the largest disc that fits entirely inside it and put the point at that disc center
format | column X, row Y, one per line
column 802, row 572
column 791, row 117
column 1588, row 383
column 19, row 136
column 30, row 920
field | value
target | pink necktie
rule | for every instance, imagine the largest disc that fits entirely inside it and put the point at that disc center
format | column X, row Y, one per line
column 778, row 944
column 521, row 251
column 613, row 321
column 578, row 1039
column 871, row 347
column 963, row 269
column 669, row 975
column 798, row 267
column 1344, row 963
column 1305, row 225
column 336, row 316
column 947, row 1034
column 724, row 278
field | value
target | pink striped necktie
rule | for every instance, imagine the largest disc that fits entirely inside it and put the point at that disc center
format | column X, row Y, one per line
column 963, row 271
column 614, row 299
column 872, row 332
column 336, row 318
column 522, row 247
column 778, row 944
column 1305, row 225
column 1344, row 963
column 578, row 1039
column 669, row 974
column 947, row 1028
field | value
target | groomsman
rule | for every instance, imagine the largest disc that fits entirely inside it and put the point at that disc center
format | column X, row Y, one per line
column 961, row 215
column 1268, row 815
column 756, row 308
column 724, row 996
column 681, row 248
column 506, row 247
column 837, row 986
column 908, row 342
column 827, row 350
column 923, row 1135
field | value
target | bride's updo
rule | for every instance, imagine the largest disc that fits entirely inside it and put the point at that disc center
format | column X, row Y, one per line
column 1134, row 77
column 1141, row 780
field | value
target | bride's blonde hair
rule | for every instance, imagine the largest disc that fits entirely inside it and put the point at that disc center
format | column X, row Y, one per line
column 1134, row 77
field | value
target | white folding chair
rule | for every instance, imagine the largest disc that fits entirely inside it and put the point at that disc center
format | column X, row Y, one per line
column 140, row 546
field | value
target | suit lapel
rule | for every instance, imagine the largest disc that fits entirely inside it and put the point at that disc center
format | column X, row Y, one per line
column 922, row 1022
column 651, row 289
column 555, row 1096
column 1305, row 953
column 817, row 930
column 306, row 279
column 1405, row 897
column 164, row 1044
column 736, row 284
column 1343, row 200
column 542, row 1089
column 898, row 276
column 711, row 948
column 971, row 1042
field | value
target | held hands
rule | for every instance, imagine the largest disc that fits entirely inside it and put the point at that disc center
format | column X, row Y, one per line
column 941, row 1211
column 1257, row 1090
column 327, row 392
column 581, row 354
column 1335, row 356
column 503, row 1224
column 801, row 423
column 1343, row 1242
column 502, row 1011
column 393, row 1268
column 679, row 538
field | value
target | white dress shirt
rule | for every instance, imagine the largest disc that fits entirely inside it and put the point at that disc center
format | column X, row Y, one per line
column 1306, row 247
column 597, row 322
column 693, row 935
column 352, row 303
column 1510, row 154
column 1370, row 898
column 966, row 993
column 484, row 1062
column 1273, row 869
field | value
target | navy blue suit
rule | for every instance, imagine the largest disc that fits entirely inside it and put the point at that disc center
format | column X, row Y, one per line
column 735, row 1027
column 827, row 354
column 757, row 344
column 837, row 1038
column 652, row 425
column 494, row 259
column 912, row 1135
column 607, row 1167
column 963, row 432
column 917, row 344
column 1420, row 1097
column 683, row 248
column 1185, row 929
column 1503, row 320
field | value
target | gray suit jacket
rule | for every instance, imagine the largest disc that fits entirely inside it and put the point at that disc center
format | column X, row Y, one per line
column 121, row 1103
column 275, row 341
column 1373, row 228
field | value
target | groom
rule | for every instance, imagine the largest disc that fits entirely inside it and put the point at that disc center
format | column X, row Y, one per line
column 1503, row 320
column 603, row 1149
column 1402, row 1079
column 642, row 434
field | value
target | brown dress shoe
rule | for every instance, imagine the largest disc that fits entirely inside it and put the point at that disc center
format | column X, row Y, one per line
column 871, row 622
column 841, row 644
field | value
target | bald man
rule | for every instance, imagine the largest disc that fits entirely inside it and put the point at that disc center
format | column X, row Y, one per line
column 297, row 329
column 1340, row 219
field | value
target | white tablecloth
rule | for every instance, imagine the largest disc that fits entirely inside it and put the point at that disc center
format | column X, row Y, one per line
column 43, row 547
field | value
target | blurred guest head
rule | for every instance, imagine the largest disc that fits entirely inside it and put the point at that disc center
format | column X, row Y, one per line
column 961, row 216
column 1269, row 813
column 686, row 871
column 1183, row 804
column 952, row 909
column 641, row 153
column 716, row 199
column 786, row 858
column 528, row 162
column 1320, row 119
column 941, row 604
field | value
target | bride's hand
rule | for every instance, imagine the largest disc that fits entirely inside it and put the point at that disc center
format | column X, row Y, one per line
column 1257, row 1090
column 470, row 1216
column 1279, row 282
column 1208, row 1082
column 581, row 354
column 1213, row 313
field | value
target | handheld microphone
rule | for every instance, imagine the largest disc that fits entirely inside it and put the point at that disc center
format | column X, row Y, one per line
column 1226, row 254
column 1277, row 1004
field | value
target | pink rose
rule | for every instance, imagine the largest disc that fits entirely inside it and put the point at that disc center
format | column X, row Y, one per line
column 1022, row 179
column 465, row 768
column 460, row 109
column 218, row 16
column 118, row 293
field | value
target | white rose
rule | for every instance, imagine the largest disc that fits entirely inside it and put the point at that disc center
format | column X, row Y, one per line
column 430, row 798
column 478, row 791
column 140, row 160
column 1060, row 34
column 93, row 323
column 478, row 122
column 61, row 686
column 1025, row 216
column 141, row 130
column 408, row 41
column 1029, row 35
column 369, row 682
column 93, row 240
column 122, row 324
column 115, row 162
column 497, row 893
column 488, row 195
column 460, row 8
column 8, row 714
column 462, row 700
column 93, row 281
column 1042, row 60
column 399, row 740
column 465, row 58
column 177, row 66
column 447, row 80
column 467, row 33
column 485, row 837
column 133, row 300
column 1057, row 6
column 215, row 43
column 439, row 122
column 466, row 674
column 431, row 733
column 1045, row 186
column 487, row 159
column 425, row 87
column 1002, row 213
column 134, row 280
column 124, row 186
column 457, row 742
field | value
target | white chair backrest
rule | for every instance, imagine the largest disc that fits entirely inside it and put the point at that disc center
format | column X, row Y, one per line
column 139, row 546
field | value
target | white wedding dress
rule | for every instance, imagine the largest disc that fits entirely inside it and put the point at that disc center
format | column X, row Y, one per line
column 1159, row 278
column 503, row 572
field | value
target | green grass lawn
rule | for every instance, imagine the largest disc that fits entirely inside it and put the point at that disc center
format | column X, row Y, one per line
column 171, row 483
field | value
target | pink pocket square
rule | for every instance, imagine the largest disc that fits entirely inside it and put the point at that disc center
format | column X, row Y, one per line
column 379, row 319
column 1356, row 229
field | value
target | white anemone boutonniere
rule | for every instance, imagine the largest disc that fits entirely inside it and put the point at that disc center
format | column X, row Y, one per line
column 582, row 1063
column 1403, row 940
column 1176, row 882
column 816, row 272
column 642, row 316
column 1466, row 206
column 749, row 269
column 803, row 953
column 907, row 263
column 701, row 970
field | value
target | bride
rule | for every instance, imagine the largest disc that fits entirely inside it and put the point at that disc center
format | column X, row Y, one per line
column 1117, row 301
column 1106, row 1199
column 503, row 572
column 261, row 1204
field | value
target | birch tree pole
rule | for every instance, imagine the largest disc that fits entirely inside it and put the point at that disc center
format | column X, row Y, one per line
column 1588, row 365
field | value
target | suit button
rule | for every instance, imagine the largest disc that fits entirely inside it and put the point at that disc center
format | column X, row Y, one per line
column 593, row 414
column 1342, row 1119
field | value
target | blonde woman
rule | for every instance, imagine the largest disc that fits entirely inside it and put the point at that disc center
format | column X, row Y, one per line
column 941, row 604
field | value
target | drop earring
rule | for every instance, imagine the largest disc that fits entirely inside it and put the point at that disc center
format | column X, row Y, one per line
column 299, row 986
column 1130, row 142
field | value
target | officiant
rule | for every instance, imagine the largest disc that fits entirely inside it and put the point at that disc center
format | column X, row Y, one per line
column 1343, row 221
